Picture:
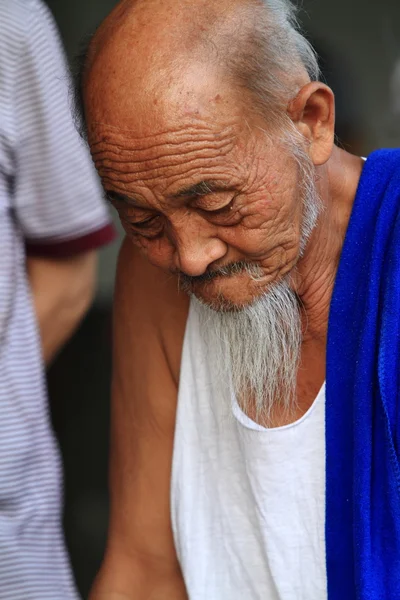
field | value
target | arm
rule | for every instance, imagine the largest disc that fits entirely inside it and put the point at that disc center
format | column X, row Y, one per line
column 62, row 291
column 150, row 316
column 56, row 197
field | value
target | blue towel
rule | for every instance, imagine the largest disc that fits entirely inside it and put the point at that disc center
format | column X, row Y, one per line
column 363, row 395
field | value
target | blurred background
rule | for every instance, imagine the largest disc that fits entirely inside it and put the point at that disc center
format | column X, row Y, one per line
column 359, row 45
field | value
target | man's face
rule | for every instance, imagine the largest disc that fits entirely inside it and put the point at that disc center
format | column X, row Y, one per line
column 199, row 186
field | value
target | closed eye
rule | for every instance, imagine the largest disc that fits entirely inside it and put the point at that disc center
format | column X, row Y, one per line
column 150, row 228
column 145, row 223
column 219, row 211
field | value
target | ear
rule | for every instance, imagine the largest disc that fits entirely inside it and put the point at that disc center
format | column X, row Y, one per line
column 313, row 113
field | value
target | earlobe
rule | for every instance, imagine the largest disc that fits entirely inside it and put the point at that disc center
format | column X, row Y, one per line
column 313, row 113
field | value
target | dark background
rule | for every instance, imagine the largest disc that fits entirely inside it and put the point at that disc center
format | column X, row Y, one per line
column 359, row 43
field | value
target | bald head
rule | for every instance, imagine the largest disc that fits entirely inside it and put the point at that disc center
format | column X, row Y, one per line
column 179, row 96
column 149, row 46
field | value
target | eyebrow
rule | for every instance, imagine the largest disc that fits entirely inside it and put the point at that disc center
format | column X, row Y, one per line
column 200, row 189
column 118, row 197
column 203, row 188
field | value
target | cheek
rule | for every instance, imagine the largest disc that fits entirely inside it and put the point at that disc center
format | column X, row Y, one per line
column 270, row 221
column 158, row 252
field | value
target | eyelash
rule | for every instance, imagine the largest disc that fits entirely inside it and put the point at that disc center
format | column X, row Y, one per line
column 140, row 226
column 227, row 216
column 220, row 211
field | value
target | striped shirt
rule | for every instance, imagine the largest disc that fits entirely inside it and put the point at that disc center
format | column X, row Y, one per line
column 50, row 205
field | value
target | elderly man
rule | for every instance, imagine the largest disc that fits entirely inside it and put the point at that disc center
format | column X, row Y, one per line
column 246, row 226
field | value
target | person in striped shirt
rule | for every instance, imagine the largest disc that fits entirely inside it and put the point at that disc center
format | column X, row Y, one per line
column 52, row 219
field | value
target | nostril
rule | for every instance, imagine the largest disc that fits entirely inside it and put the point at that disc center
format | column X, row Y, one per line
column 196, row 249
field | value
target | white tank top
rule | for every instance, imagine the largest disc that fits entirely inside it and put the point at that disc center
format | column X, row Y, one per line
column 248, row 503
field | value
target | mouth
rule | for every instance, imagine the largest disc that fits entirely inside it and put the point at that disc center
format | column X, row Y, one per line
column 228, row 289
column 233, row 287
column 189, row 284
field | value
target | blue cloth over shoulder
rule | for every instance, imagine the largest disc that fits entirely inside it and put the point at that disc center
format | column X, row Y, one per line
column 363, row 395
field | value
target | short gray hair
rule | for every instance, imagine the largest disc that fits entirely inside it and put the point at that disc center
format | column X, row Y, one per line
column 269, row 55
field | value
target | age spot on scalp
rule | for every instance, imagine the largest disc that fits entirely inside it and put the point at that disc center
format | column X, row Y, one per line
column 217, row 99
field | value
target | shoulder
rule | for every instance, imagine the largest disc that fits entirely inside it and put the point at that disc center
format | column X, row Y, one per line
column 149, row 322
column 149, row 304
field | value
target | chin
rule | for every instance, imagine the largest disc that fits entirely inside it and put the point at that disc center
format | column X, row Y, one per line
column 230, row 294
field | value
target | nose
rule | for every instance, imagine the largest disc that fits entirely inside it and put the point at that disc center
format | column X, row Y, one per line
column 196, row 250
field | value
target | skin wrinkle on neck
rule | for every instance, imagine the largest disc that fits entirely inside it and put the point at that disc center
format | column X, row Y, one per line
column 315, row 277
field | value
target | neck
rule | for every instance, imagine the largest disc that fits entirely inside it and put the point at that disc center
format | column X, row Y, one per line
column 316, row 271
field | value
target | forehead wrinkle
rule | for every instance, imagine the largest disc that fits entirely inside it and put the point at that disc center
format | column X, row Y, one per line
column 107, row 152
column 202, row 124
column 230, row 173
column 160, row 181
column 116, row 166
column 187, row 135
column 132, row 169
column 127, row 156
column 160, row 162
column 130, row 172
column 127, row 161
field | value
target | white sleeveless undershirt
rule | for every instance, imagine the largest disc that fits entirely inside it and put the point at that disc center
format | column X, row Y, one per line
column 248, row 503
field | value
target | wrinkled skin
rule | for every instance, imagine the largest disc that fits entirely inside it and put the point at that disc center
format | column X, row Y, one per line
column 161, row 118
column 252, row 215
column 159, row 123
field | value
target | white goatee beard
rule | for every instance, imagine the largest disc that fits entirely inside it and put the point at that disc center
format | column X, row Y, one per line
column 258, row 347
